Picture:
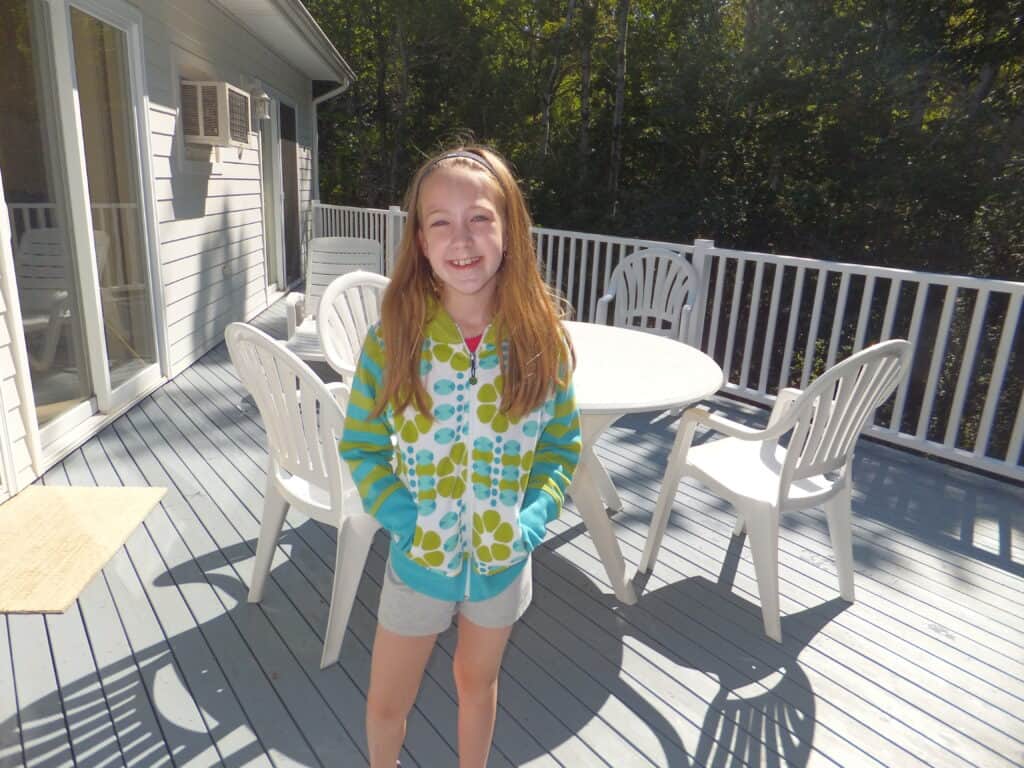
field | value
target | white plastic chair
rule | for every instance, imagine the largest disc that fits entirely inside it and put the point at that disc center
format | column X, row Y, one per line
column 762, row 476
column 654, row 291
column 329, row 258
column 303, row 418
column 350, row 305
column 42, row 267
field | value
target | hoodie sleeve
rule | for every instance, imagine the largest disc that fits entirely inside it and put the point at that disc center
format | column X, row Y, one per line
column 554, row 462
column 367, row 448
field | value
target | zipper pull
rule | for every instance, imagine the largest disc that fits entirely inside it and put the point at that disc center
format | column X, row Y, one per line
column 472, row 367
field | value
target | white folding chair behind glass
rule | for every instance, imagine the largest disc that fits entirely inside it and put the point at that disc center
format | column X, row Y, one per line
column 329, row 258
column 762, row 474
column 303, row 419
column 350, row 305
column 654, row 290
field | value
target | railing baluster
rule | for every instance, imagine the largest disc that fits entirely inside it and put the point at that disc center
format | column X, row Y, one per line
column 864, row 313
column 938, row 357
column 716, row 313
column 734, row 311
column 964, row 372
column 794, row 312
column 995, row 384
column 812, row 330
column 769, row 337
column 837, row 320
column 755, row 306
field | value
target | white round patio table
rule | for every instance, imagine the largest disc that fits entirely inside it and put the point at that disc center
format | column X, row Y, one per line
column 621, row 371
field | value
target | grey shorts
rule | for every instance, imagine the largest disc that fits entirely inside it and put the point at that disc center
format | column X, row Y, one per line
column 406, row 612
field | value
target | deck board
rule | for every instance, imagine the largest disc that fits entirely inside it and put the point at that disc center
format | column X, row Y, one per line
column 162, row 661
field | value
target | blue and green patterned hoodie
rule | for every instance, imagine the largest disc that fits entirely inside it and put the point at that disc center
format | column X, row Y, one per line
column 468, row 493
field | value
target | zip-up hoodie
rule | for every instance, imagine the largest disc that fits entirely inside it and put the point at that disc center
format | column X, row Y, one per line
column 468, row 493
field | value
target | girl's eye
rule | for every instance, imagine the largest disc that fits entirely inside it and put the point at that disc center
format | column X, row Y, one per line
column 481, row 217
column 438, row 223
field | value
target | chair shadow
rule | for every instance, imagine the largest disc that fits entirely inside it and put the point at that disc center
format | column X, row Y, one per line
column 764, row 708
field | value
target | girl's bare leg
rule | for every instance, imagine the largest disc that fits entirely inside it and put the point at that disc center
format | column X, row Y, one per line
column 396, row 670
column 476, row 666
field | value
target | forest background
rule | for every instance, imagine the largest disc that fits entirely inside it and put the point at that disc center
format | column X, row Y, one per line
column 887, row 132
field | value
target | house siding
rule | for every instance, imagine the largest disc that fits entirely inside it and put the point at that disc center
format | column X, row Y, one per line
column 210, row 216
column 209, row 219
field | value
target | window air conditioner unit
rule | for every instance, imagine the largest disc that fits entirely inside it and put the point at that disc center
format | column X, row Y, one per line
column 215, row 113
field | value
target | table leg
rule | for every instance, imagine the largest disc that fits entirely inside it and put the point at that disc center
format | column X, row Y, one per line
column 586, row 490
column 605, row 484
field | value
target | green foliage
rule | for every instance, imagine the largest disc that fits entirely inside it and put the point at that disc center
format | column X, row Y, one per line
column 857, row 130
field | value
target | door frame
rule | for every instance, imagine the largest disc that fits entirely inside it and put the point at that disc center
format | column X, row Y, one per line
column 278, row 247
column 68, row 428
column 279, row 170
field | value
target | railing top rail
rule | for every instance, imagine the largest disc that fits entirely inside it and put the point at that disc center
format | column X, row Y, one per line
column 617, row 239
column 911, row 275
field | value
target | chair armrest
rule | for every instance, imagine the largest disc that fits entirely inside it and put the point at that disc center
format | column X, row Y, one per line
column 601, row 316
column 783, row 400
column 720, row 424
column 294, row 304
column 341, row 392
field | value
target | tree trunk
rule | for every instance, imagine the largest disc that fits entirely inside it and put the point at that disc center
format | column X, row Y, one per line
column 587, row 18
column 403, row 98
column 549, row 95
column 622, row 20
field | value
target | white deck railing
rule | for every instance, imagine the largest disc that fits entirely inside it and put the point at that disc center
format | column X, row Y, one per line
column 774, row 321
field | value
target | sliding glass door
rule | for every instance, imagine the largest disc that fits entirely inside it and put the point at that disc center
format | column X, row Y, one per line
column 107, row 117
column 70, row 158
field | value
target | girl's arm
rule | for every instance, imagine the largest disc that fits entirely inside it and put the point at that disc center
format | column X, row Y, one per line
column 366, row 447
column 554, row 461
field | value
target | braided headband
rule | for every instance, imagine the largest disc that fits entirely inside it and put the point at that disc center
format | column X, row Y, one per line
column 472, row 156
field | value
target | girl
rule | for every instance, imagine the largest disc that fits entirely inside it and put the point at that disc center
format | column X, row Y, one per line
column 462, row 436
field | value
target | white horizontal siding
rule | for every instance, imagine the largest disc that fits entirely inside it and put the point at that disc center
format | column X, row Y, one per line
column 210, row 216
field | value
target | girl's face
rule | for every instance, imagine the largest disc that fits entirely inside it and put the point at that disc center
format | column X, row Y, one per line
column 462, row 233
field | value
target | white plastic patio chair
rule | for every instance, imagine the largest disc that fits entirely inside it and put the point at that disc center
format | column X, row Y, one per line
column 762, row 475
column 350, row 305
column 329, row 258
column 654, row 291
column 303, row 418
column 42, row 267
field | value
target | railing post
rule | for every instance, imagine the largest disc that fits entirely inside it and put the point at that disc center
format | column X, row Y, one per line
column 702, row 263
column 392, row 236
column 315, row 219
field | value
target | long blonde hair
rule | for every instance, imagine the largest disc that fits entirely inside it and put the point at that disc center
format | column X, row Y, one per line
column 528, row 312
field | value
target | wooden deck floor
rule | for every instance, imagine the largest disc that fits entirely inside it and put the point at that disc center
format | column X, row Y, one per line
column 162, row 662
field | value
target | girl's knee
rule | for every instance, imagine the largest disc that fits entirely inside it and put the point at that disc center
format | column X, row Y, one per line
column 474, row 679
column 386, row 707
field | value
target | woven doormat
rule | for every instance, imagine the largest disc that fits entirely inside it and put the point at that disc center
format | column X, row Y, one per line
column 54, row 539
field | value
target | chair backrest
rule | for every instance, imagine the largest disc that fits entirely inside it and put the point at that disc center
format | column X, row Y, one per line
column 42, row 265
column 350, row 305
column 292, row 400
column 654, row 290
column 829, row 415
column 331, row 257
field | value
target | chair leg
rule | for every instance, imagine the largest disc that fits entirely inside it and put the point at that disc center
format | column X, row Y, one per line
column 274, row 510
column 763, row 535
column 354, row 539
column 838, row 512
column 669, row 483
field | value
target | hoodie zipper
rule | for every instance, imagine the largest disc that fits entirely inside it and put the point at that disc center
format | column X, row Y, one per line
column 469, row 400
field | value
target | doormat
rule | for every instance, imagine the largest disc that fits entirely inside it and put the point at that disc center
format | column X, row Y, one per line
column 54, row 539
